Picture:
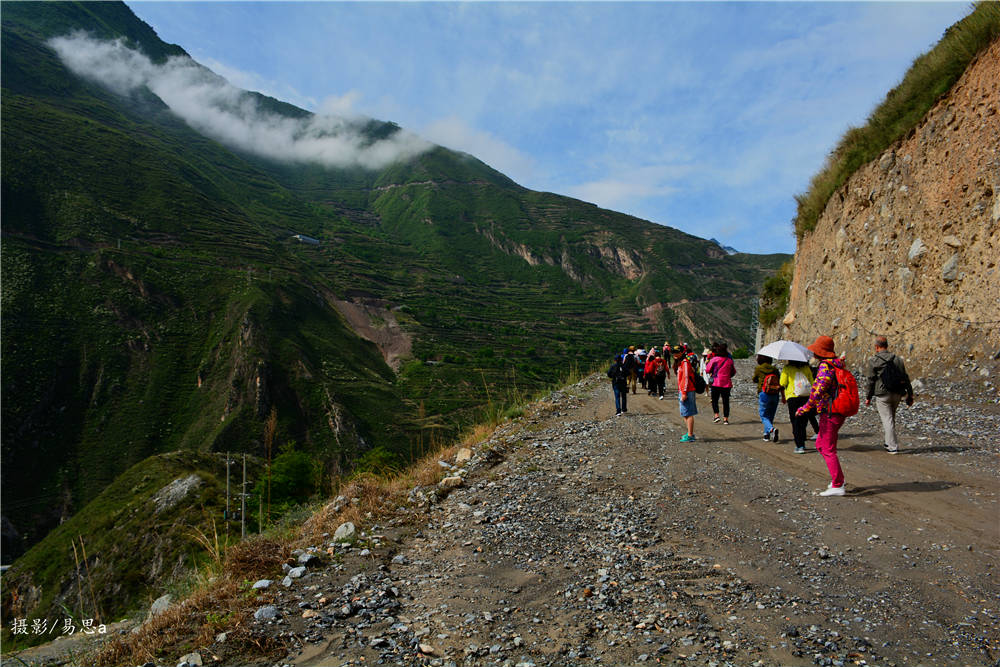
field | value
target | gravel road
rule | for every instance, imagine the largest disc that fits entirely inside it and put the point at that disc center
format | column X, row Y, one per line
column 581, row 538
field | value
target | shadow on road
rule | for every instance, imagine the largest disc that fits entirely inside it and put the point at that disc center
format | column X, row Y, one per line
column 911, row 487
column 954, row 449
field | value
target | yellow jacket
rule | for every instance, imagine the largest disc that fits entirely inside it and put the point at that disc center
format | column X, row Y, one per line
column 787, row 379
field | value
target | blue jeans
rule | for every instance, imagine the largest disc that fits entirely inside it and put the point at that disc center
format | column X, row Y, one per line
column 767, row 405
column 621, row 397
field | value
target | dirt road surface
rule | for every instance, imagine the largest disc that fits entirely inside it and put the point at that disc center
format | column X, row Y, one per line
column 583, row 538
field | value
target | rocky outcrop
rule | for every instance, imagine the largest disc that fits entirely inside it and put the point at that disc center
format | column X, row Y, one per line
column 909, row 246
column 625, row 262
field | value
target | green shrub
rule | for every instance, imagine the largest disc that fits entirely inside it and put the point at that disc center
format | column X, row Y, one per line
column 294, row 478
column 930, row 76
column 774, row 297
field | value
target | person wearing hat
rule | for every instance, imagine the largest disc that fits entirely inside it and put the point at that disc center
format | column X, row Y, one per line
column 685, row 390
column 820, row 396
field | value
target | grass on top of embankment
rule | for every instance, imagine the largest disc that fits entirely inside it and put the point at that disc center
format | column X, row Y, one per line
column 930, row 76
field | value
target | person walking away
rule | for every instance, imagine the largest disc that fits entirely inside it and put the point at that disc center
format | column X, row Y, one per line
column 640, row 356
column 661, row 371
column 889, row 384
column 631, row 365
column 796, row 380
column 766, row 378
column 721, row 368
column 706, row 356
column 821, row 395
column 685, row 390
column 619, row 385
column 649, row 370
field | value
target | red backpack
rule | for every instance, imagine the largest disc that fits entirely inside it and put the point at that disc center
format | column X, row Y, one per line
column 770, row 384
column 846, row 400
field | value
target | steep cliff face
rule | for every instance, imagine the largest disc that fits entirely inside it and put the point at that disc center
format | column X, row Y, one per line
column 909, row 246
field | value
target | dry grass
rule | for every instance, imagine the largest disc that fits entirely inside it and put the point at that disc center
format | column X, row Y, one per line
column 222, row 603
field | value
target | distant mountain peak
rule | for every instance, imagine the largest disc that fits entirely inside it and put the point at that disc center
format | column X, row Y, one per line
column 729, row 249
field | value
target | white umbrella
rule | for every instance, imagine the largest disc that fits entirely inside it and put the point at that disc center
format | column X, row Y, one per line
column 786, row 350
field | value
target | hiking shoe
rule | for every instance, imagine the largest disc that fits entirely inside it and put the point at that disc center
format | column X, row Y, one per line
column 774, row 435
column 716, row 420
column 661, row 398
column 725, row 422
column 833, row 491
column 687, row 438
column 891, row 451
column 800, row 450
column 767, row 437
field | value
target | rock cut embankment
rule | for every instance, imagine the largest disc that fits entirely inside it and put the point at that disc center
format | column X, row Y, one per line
column 909, row 246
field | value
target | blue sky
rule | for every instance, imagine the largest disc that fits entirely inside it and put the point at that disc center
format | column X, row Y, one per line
column 708, row 117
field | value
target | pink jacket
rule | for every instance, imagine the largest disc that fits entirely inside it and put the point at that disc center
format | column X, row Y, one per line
column 722, row 369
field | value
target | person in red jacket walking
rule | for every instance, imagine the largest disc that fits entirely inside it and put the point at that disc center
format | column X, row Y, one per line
column 685, row 390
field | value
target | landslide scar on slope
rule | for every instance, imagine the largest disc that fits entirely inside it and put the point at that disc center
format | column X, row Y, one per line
column 371, row 320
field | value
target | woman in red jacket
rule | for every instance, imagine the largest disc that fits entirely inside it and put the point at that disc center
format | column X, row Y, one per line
column 685, row 390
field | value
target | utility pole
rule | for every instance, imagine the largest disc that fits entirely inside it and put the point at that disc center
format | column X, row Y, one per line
column 755, row 332
column 227, row 498
column 243, row 500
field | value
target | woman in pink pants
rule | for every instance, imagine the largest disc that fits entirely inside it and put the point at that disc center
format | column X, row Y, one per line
column 829, row 423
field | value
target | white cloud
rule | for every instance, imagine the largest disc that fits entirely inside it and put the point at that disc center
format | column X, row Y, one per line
column 622, row 190
column 214, row 107
column 454, row 133
column 343, row 105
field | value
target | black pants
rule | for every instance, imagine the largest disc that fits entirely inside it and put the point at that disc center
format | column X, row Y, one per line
column 724, row 393
column 798, row 423
column 659, row 383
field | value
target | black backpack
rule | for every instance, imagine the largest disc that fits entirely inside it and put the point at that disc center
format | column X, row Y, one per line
column 894, row 380
column 699, row 382
column 616, row 373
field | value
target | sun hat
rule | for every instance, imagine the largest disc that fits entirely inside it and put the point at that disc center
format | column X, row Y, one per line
column 823, row 347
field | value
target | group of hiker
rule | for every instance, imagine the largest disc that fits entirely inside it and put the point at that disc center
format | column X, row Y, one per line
column 824, row 395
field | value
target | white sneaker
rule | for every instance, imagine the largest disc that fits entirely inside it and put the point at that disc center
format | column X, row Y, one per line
column 833, row 491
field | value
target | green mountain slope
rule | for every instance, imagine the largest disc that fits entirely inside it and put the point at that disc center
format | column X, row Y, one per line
column 154, row 300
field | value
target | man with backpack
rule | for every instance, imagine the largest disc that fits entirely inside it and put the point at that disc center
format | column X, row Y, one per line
column 834, row 395
column 888, row 383
column 619, row 385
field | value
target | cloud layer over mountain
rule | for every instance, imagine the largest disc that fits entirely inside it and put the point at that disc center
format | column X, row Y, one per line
column 214, row 107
